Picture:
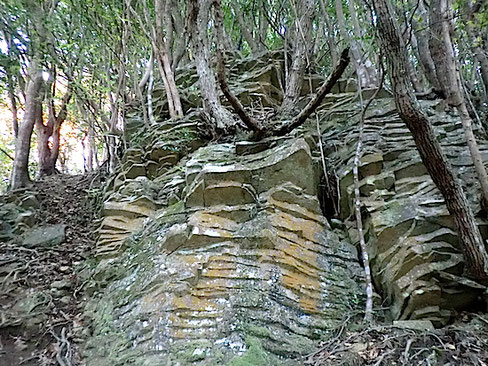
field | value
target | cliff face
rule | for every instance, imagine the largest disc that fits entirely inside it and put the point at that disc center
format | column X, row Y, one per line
column 412, row 239
column 220, row 254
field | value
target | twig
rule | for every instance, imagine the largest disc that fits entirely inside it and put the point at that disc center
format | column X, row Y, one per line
column 481, row 318
column 407, row 349
column 380, row 359
column 8, row 155
column 63, row 360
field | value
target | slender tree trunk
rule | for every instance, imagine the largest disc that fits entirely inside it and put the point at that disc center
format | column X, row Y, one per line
column 439, row 48
column 93, row 154
column 172, row 94
column 48, row 135
column 141, row 85
column 20, row 173
column 245, row 28
column 199, row 12
column 263, row 28
column 13, row 104
column 429, row 148
column 364, row 60
column 301, row 54
column 180, row 42
column 162, row 52
column 334, row 55
column 250, row 122
column 364, row 77
column 476, row 42
column 318, row 39
column 44, row 133
column 446, row 66
column 425, row 58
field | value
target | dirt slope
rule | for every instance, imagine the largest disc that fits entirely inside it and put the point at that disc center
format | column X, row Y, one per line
column 41, row 296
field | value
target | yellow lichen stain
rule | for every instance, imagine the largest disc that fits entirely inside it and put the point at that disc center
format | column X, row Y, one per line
column 219, row 273
column 190, row 259
column 221, row 265
column 296, row 208
column 222, row 258
column 215, row 284
column 151, row 301
column 188, row 310
column 299, row 267
column 289, row 262
column 309, row 305
column 302, row 259
column 307, row 229
column 301, row 284
column 292, row 237
column 207, row 219
column 189, row 302
column 212, row 293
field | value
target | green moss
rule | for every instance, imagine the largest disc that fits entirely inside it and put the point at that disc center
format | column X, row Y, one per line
column 193, row 352
column 255, row 355
column 258, row 331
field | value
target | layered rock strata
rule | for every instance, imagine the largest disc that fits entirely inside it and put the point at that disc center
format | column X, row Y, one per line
column 412, row 239
column 245, row 263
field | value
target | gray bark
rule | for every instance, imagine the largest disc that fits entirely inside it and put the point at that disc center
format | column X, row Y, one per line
column 20, row 174
column 425, row 58
column 199, row 13
column 302, row 32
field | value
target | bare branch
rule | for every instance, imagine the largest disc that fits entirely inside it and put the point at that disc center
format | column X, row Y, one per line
column 7, row 154
column 249, row 121
column 319, row 97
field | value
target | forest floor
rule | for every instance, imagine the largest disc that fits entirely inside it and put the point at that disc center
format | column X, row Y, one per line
column 464, row 342
column 50, row 275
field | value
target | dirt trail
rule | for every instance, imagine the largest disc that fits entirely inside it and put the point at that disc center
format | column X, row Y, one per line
column 44, row 285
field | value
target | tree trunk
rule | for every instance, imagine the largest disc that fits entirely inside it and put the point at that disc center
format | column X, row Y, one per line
column 355, row 51
column 20, row 173
column 44, row 133
column 301, row 51
column 446, row 65
column 425, row 58
column 220, row 117
column 162, row 52
column 324, row 89
column 245, row 28
column 476, row 42
column 368, row 66
column 429, row 148
column 13, row 104
column 150, row 86
column 142, row 84
column 172, row 94
column 249, row 121
column 48, row 135
column 334, row 55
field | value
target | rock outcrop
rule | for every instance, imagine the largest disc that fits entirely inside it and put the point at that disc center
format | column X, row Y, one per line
column 413, row 245
column 244, row 263
column 220, row 254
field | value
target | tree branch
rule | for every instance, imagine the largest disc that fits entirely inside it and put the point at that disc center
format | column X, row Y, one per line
column 7, row 154
column 319, row 97
column 249, row 121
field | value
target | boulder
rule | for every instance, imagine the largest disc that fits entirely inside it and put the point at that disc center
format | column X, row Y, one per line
column 45, row 236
